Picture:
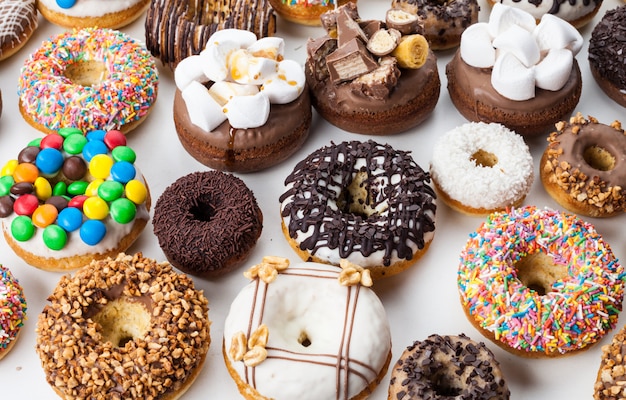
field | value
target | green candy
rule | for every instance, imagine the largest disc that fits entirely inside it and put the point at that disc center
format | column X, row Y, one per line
column 124, row 153
column 34, row 142
column 59, row 189
column 22, row 228
column 5, row 185
column 67, row 131
column 123, row 210
column 110, row 190
column 73, row 144
column 54, row 237
column 77, row 188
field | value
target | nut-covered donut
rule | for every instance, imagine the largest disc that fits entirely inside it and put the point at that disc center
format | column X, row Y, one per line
column 123, row 328
column 361, row 201
column 612, row 370
column 18, row 21
column 584, row 167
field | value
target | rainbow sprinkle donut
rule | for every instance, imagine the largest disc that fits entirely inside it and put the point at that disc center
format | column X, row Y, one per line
column 69, row 198
column 540, row 283
column 12, row 310
column 89, row 79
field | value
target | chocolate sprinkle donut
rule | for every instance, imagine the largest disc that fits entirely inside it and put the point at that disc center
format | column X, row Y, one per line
column 446, row 367
column 207, row 223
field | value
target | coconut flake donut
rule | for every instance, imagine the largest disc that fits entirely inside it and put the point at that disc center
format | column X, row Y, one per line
column 576, row 12
column 69, row 198
column 89, row 79
column 177, row 29
column 86, row 13
column 479, row 168
column 306, row 331
column 361, row 201
column 583, row 167
column 539, row 282
column 442, row 367
column 18, row 21
column 12, row 310
column 123, row 328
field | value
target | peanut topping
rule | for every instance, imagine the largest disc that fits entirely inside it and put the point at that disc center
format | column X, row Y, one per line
column 353, row 274
column 268, row 269
column 254, row 353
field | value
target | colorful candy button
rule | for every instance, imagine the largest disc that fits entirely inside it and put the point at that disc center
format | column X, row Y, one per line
column 44, row 215
column 54, row 237
column 28, row 154
column 26, row 204
column 67, row 131
column 92, row 232
column 95, row 208
column 77, row 188
column 96, row 135
column 6, row 182
column 74, row 144
column 123, row 171
column 110, row 190
column 43, row 189
column 136, row 191
column 70, row 219
column 124, row 153
column 59, row 189
column 92, row 188
column 93, row 148
column 77, row 202
column 49, row 161
column 22, row 228
column 53, row 141
column 25, row 172
column 100, row 166
column 9, row 167
column 6, row 206
column 114, row 138
column 123, row 210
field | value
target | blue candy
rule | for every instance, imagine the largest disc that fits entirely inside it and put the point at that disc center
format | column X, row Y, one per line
column 97, row 134
column 123, row 171
column 92, row 232
column 93, row 148
column 49, row 160
column 66, row 3
column 70, row 219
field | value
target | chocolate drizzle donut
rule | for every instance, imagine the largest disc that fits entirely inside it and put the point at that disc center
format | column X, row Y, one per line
column 360, row 201
column 18, row 21
column 176, row 29
column 213, row 211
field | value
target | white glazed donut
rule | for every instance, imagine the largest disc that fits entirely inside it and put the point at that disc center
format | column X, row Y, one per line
column 112, row 14
column 304, row 335
column 479, row 168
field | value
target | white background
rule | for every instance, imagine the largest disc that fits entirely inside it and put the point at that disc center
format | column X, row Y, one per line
column 421, row 301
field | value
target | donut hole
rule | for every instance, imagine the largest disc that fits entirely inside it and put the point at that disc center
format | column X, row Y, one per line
column 86, row 72
column 304, row 340
column 445, row 384
column 599, row 158
column 122, row 320
column 202, row 210
column 355, row 198
column 484, row 158
column 539, row 272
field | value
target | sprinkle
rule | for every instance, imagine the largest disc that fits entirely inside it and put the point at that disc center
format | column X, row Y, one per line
column 12, row 308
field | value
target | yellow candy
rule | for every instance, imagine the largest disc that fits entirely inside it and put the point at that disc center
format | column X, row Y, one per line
column 100, row 166
column 136, row 191
column 43, row 189
column 9, row 168
column 44, row 215
column 95, row 208
column 92, row 188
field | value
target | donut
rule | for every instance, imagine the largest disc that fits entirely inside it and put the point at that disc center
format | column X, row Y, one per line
column 216, row 212
column 69, row 198
column 127, row 328
column 306, row 12
column 582, row 168
column 13, row 308
column 177, row 29
column 606, row 55
column 372, row 80
column 249, row 110
column 539, row 282
column 306, row 331
column 478, row 168
column 361, row 201
column 76, row 14
column 515, row 72
column 577, row 12
column 450, row 366
column 444, row 21
column 18, row 21
column 89, row 79
column 611, row 372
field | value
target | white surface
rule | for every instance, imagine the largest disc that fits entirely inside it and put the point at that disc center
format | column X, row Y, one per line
column 419, row 302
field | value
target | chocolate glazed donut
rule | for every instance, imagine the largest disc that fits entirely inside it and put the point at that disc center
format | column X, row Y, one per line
column 176, row 29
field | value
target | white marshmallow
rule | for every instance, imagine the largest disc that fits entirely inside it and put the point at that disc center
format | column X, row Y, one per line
column 247, row 69
column 223, row 91
column 242, row 37
column 521, row 43
column 476, row 48
column 215, row 60
column 271, row 47
column 553, row 32
column 502, row 17
column 512, row 79
column 287, row 85
column 245, row 112
column 189, row 69
column 204, row 111
column 554, row 70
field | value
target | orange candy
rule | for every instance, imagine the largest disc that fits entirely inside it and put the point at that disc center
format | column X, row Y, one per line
column 44, row 215
column 25, row 172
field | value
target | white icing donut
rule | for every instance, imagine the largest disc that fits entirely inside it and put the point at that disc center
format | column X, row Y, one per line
column 502, row 180
column 90, row 8
column 325, row 340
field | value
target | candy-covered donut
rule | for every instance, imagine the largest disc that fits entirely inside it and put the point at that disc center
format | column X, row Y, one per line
column 123, row 328
column 18, row 21
column 576, row 12
column 584, row 167
column 479, row 168
column 85, row 13
column 12, row 310
column 89, row 79
column 177, row 29
column 361, row 201
column 447, row 367
column 216, row 212
column 539, row 282
column 69, row 198
column 306, row 331
column 444, row 21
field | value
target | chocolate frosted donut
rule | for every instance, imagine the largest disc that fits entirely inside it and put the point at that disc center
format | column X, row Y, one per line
column 207, row 223
column 447, row 367
column 18, row 21
column 176, row 29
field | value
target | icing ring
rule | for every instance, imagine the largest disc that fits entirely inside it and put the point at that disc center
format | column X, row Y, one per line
column 61, row 83
column 540, row 283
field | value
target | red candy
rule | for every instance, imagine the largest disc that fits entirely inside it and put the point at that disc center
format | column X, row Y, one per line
column 114, row 138
column 26, row 204
column 53, row 140
column 77, row 202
